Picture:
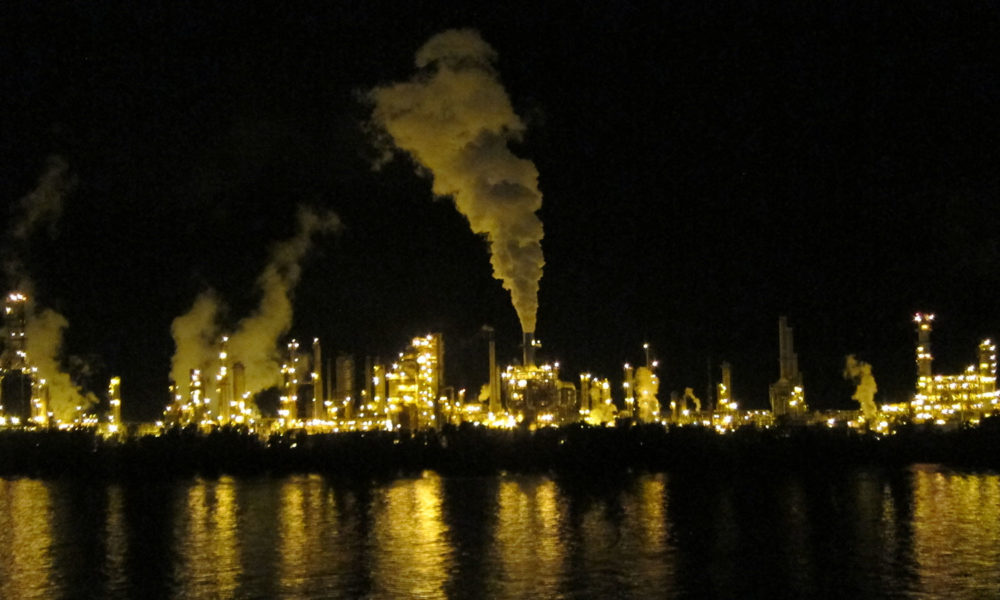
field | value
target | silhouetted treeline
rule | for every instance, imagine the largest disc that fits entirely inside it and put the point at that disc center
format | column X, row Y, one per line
column 577, row 450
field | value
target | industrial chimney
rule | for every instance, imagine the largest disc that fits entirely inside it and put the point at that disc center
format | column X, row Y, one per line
column 529, row 349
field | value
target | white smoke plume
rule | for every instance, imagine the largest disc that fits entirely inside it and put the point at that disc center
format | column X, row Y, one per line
column 195, row 335
column 255, row 342
column 455, row 119
column 44, row 327
column 860, row 373
column 43, row 206
column 43, row 331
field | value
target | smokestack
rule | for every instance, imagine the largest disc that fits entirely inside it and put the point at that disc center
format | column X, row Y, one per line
column 319, row 399
column 788, row 361
column 529, row 348
column 494, row 378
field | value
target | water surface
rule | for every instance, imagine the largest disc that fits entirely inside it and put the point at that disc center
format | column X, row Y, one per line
column 921, row 532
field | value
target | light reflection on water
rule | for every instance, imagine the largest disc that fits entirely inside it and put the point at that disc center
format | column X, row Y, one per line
column 921, row 532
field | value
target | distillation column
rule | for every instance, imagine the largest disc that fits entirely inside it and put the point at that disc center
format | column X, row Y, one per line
column 925, row 377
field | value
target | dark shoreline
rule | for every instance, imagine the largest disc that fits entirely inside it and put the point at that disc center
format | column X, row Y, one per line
column 575, row 451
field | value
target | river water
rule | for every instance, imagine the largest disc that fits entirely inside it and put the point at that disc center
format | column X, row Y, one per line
column 921, row 532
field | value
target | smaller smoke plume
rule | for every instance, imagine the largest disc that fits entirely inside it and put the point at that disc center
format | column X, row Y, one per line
column 44, row 327
column 455, row 119
column 195, row 334
column 861, row 374
column 41, row 207
column 43, row 333
column 255, row 341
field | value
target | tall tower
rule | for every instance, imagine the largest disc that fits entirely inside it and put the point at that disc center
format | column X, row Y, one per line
column 288, row 409
column 987, row 367
column 115, row 399
column 585, row 403
column 196, row 396
column 13, row 359
column 224, row 384
column 345, row 384
column 495, row 406
column 39, row 400
column 725, row 389
column 629, row 387
column 925, row 377
column 319, row 405
column 788, row 393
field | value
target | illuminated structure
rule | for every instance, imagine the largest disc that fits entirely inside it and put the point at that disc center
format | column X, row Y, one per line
column 39, row 400
column 115, row 401
column 197, row 404
column 288, row 408
column 344, row 407
column 724, row 391
column 628, row 386
column 645, row 387
column 494, row 391
column 534, row 395
column 924, row 358
column 14, row 361
column 223, row 385
column 320, row 405
column 960, row 398
column 787, row 394
column 207, row 405
column 415, row 383
column 596, row 405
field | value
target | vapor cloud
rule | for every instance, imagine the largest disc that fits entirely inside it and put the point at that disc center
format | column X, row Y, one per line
column 454, row 118
column 860, row 373
column 195, row 334
column 43, row 332
column 40, row 208
column 44, row 327
column 255, row 340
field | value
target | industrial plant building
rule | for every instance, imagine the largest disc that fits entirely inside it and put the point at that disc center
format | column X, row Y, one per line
column 952, row 399
column 410, row 393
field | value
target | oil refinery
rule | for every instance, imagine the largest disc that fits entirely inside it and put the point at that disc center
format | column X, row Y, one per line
column 410, row 393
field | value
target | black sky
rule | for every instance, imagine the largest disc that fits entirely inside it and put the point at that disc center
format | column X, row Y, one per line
column 706, row 167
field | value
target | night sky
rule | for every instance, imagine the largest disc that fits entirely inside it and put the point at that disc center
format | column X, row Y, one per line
column 706, row 167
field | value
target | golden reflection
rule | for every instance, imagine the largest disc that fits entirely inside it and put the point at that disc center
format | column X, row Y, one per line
column 646, row 524
column 413, row 558
column 207, row 539
column 954, row 510
column 116, row 532
column 25, row 538
column 651, row 514
column 225, row 528
column 302, row 543
column 530, row 550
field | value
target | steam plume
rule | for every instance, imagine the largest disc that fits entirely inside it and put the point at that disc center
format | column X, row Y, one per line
column 195, row 334
column 41, row 207
column 256, row 338
column 44, row 327
column 43, row 331
column 861, row 373
column 455, row 119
